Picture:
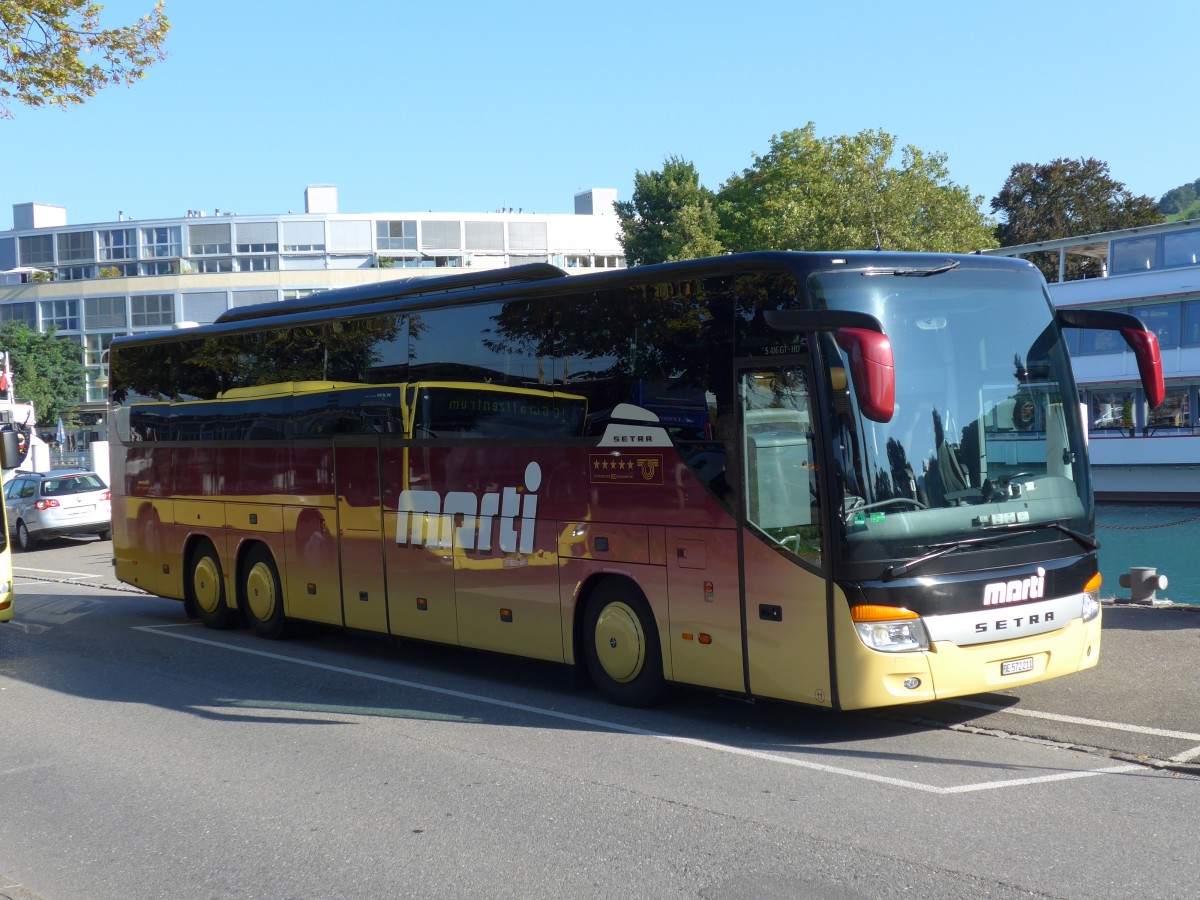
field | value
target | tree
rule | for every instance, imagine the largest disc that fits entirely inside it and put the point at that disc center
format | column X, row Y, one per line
column 1066, row 198
column 811, row 193
column 670, row 217
column 46, row 370
column 43, row 45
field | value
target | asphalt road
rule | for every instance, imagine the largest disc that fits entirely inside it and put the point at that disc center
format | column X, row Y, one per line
column 142, row 755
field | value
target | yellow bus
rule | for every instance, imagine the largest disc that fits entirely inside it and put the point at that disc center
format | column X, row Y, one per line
column 840, row 479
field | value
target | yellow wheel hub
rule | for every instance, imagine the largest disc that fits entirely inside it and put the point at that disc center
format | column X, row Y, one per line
column 260, row 592
column 206, row 585
column 620, row 643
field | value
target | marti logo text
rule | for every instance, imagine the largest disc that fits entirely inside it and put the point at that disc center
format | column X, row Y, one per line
column 426, row 519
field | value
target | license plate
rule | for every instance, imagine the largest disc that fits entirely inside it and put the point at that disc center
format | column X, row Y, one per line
column 1014, row 666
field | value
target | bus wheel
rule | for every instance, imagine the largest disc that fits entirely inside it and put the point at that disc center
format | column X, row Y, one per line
column 620, row 644
column 263, row 594
column 206, row 587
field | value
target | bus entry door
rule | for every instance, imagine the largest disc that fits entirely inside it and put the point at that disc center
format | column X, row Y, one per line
column 783, row 536
column 360, row 535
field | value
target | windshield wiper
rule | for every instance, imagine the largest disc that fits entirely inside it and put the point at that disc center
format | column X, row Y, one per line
column 914, row 272
column 896, row 571
column 946, row 549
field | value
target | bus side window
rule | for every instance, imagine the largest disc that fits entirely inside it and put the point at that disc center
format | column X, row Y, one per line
column 782, row 495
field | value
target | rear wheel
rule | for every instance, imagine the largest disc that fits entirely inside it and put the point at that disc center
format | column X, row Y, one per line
column 24, row 539
column 206, row 587
column 621, row 645
column 263, row 594
column 106, row 534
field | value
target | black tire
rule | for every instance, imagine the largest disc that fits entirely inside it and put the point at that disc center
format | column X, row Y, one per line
column 24, row 538
column 106, row 535
column 262, row 594
column 621, row 645
column 206, row 587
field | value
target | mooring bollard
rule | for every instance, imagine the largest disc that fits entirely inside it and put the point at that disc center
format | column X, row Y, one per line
column 1143, row 583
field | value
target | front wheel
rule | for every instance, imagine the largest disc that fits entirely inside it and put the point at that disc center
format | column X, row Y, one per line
column 621, row 645
column 206, row 587
column 263, row 594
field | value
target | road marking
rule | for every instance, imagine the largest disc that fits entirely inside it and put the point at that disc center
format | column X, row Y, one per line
column 1186, row 755
column 1077, row 720
column 55, row 572
column 163, row 630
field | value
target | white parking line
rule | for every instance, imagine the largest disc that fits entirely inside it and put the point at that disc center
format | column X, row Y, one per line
column 631, row 729
column 19, row 569
column 1077, row 720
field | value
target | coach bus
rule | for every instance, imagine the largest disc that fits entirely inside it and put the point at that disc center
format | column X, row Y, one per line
column 841, row 479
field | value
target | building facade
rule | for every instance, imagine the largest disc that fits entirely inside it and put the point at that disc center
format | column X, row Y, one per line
column 95, row 282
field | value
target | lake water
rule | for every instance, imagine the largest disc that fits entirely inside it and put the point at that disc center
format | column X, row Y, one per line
column 1165, row 537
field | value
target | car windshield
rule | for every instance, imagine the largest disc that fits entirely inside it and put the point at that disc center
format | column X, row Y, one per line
column 986, row 433
column 75, row 484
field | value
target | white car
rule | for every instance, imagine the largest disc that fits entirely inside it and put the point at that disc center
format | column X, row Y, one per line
column 45, row 505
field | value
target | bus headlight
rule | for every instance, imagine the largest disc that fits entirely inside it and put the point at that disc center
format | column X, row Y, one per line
column 889, row 628
column 1091, row 598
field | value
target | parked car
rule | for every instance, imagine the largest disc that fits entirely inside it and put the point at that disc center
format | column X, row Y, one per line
column 44, row 505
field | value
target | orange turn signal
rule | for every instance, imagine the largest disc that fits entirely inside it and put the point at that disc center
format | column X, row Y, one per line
column 1093, row 583
column 869, row 612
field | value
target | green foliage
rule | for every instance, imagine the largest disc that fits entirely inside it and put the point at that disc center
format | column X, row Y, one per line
column 44, row 43
column 1065, row 198
column 1180, row 199
column 47, row 370
column 811, row 193
column 670, row 217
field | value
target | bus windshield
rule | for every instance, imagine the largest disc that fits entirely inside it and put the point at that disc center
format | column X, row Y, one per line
column 986, row 436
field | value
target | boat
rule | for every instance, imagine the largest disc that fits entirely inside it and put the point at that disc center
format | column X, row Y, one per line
column 1153, row 272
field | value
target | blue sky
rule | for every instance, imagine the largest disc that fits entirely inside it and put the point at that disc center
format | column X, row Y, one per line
column 473, row 106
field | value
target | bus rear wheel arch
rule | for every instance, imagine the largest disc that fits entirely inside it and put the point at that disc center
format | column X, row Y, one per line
column 621, row 645
column 261, row 593
column 206, row 587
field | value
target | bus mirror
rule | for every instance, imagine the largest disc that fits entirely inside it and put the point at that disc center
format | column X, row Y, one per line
column 1144, row 344
column 10, row 449
column 1141, row 340
column 872, row 370
column 871, row 367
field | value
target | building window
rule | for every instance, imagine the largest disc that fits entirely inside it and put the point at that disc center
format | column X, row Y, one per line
column 161, row 242
column 396, row 235
column 150, row 310
column 441, row 235
column 120, row 243
column 304, row 237
column 104, row 312
column 1094, row 341
column 527, row 236
column 37, row 250
column 1133, row 255
column 298, row 293
column 485, row 236
column 255, row 264
column 1111, row 410
column 20, row 312
column 76, row 246
column 1174, row 412
column 257, row 237
column 74, row 273
column 1163, row 320
column 158, row 267
column 1191, row 328
column 437, row 262
column 60, row 314
column 208, row 240
column 224, row 264
column 1181, row 248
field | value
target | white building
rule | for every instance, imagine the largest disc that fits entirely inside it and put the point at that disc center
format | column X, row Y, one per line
column 97, row 281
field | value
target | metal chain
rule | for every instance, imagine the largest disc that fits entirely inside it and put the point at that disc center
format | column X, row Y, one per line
column 1148, row 527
